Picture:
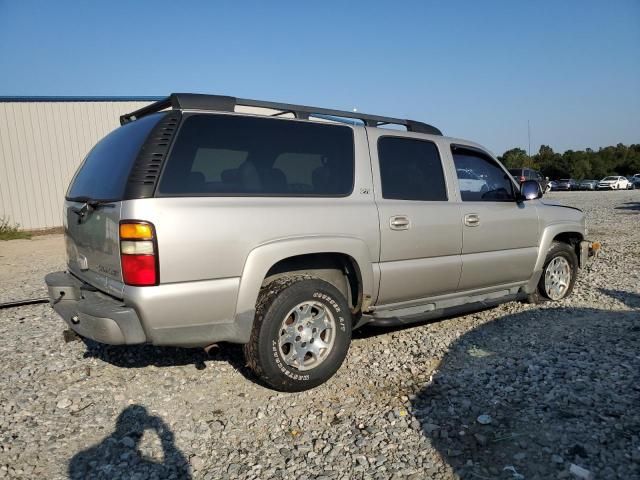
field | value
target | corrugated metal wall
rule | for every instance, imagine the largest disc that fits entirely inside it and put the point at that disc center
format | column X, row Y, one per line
column 41, row 145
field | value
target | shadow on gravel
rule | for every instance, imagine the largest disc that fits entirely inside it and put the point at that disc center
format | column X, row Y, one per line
column 634, row 206
column 118, row 455
column 556, row 386
column 630, row 299
column 140, row 356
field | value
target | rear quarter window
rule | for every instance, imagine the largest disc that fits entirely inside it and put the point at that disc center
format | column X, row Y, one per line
column 251, row 156
column 104, row 172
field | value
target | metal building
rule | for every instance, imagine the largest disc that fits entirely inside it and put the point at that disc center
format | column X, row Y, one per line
column 42, row 142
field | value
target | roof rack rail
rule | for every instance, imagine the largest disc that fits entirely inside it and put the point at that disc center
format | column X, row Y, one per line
column 196, row 101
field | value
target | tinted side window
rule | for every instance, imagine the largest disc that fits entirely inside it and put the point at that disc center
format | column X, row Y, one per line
column 104, row 173
column 411, row 170
column 235, row 155
column 491, row 183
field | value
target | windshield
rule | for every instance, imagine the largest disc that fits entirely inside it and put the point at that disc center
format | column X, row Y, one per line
column 609, row 178
column 103, row 174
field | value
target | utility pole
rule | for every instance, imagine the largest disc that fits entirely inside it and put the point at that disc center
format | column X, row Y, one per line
column 529, row 136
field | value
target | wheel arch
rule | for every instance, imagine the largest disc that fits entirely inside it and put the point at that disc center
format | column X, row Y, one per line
column 317, row 254
column 571, row 233
column 339, row 269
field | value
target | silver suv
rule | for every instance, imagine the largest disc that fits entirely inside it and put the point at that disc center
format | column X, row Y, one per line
column 286, row 228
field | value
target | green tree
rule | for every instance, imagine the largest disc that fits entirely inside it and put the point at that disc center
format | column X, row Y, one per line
column 612, row 160
column 515, row 158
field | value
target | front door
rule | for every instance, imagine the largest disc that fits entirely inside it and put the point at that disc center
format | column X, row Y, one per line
column 500, row 235
column 420, row 231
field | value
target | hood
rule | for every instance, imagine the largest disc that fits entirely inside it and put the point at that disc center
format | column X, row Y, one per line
column 549, row 203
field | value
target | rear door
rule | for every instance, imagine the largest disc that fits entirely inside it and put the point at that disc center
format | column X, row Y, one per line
column 500, row 235
column 92, row 206
column 420, row 231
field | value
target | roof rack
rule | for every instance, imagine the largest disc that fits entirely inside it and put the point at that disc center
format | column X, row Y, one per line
column 195, row 101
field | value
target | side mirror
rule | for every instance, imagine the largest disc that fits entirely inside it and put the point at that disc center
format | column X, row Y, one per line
column 530, row 190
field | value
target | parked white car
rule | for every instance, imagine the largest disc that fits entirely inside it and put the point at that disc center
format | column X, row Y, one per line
column 613, row 183
column 470, row 182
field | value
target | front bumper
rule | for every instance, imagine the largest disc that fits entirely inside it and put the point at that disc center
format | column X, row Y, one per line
column 588, row 252
column 91, row 313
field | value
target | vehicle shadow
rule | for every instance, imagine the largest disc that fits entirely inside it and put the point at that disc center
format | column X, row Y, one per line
column 529, row 394
column 141, row 356
column 634, row 206
column 630, row 299
column 119, row 456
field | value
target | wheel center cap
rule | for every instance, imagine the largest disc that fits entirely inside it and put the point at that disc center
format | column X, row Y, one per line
column 306, row 335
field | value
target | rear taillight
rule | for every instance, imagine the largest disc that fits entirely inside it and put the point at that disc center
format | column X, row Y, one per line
column 138, row 254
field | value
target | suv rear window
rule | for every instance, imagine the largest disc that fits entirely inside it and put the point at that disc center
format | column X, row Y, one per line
column 103, row 174
column 252, row 156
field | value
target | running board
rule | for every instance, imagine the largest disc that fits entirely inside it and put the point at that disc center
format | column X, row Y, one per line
column 396, row 321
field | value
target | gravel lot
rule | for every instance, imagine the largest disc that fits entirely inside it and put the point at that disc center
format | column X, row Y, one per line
column 559, row 385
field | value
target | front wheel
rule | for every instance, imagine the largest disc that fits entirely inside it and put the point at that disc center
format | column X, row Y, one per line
column 559, row 272
column 301, row 333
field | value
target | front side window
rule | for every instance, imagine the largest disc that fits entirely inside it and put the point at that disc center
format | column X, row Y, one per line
column 410, row 169
column 480, row 178
column 253, row 156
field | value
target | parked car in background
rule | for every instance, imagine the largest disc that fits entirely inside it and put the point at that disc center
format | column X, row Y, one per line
column 566, row 184
column 588, row 185
column 471, row 182
column 631, row 185
column 635, row 182
column 524, row 174
column 613, row 183
column 553, row 185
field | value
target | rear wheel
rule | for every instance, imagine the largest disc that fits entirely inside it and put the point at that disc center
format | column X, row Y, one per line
column 301, row 333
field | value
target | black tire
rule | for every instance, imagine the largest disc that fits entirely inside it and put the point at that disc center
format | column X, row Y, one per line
column 276, row 300
column 558, row 249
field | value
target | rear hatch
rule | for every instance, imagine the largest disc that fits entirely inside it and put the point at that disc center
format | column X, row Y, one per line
column 93, row 202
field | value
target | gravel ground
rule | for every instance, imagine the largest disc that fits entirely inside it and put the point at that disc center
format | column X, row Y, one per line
column 514, row 392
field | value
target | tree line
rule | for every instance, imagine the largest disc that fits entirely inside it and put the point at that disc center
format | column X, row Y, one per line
column 581, row 164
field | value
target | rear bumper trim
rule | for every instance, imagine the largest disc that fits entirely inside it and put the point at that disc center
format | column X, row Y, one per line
column 93, row 314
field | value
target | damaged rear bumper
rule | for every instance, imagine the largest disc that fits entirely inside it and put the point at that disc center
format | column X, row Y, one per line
column 91, row 313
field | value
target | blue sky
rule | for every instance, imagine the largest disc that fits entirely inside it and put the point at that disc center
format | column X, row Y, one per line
column 476, row 69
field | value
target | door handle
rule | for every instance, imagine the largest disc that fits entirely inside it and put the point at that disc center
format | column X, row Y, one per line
column 399, row 222
column 472, row 220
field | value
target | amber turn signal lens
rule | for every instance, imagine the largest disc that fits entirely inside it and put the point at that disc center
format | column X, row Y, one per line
column 136, row 231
